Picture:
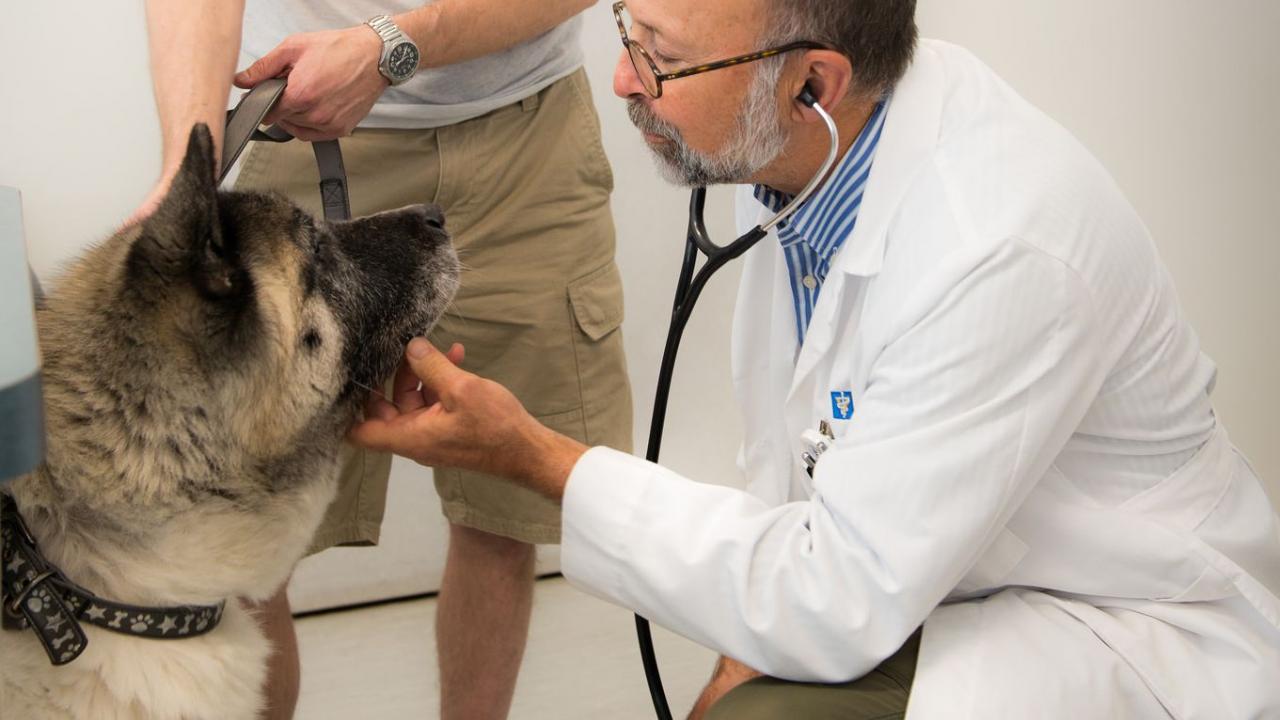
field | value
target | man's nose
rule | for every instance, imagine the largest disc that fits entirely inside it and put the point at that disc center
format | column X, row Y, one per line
column 625, row 81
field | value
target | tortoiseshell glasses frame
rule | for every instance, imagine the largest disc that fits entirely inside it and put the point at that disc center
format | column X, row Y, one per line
column 652, row 78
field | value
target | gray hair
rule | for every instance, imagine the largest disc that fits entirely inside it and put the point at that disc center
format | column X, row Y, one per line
column 878, row 36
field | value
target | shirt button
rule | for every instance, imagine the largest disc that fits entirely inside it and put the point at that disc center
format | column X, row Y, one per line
column 810, row 281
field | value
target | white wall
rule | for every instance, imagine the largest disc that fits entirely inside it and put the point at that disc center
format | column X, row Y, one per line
column 1179, row 98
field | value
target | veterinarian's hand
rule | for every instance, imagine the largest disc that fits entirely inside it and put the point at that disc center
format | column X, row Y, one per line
column 460, row 420
column 333, row 81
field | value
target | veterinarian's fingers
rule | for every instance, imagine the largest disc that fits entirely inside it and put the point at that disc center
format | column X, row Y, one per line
column 457, row 354
column 406, row 390
column 273, row 64
column 427, row 396
column 387, row 435
column 374, row 434
column 431, row 366
column 379, row 409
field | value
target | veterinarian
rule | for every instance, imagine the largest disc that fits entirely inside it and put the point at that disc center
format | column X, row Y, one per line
column 482, row 107
column 1020, row 451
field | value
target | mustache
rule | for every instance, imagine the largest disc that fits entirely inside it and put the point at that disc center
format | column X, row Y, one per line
column 646, row 121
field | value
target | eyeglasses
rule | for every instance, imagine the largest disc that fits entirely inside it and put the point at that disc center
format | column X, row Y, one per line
column 652, row 78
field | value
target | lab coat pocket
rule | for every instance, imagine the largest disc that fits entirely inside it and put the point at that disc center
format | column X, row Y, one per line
column 994, row 565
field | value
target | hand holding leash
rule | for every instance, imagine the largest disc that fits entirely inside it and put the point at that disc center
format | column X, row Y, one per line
column 333, row 81
column 243, row 125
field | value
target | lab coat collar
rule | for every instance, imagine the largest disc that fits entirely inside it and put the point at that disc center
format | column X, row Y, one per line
column 908, row 140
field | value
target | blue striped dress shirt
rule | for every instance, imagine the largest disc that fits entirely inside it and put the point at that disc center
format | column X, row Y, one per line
column 811, row 236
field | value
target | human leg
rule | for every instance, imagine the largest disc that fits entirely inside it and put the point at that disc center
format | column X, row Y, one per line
column 879, row 695
column 539, row 311
column 284, row 671
column 488, row 584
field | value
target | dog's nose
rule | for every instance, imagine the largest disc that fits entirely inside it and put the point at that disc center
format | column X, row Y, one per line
column 434, row 215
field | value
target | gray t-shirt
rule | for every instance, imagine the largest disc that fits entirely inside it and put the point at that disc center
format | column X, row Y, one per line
column 434, row 97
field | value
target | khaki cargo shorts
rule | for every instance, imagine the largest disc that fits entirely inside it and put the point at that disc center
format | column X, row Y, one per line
column 525, row 192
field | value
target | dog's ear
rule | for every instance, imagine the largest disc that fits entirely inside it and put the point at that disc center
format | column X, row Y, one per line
column 183, row 241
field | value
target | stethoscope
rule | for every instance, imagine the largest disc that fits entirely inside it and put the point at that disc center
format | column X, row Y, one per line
column 242, row 126
column 688, row 288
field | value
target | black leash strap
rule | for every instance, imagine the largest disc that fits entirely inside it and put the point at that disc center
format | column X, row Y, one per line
column 37, row 596
column 243, row 125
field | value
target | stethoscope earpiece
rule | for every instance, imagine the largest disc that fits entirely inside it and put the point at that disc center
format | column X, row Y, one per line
column 806, row 96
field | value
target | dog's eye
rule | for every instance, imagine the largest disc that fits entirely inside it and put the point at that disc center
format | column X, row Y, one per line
column 311, row 339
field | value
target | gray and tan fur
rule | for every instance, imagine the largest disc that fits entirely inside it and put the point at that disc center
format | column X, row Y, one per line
column 200, row 370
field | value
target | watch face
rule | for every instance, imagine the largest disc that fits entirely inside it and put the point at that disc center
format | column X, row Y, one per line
column 403, row 60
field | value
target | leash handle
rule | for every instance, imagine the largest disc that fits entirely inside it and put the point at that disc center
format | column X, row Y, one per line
column 243, row 125
column 243, row 121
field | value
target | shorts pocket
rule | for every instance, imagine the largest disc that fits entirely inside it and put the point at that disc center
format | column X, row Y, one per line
column 596, row 304
column 596, row 300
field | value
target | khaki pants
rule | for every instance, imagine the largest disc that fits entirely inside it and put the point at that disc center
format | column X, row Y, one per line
column 879, row 695
column 525, row 192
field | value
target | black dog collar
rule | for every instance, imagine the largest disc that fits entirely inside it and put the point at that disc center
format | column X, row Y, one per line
column 38, row 596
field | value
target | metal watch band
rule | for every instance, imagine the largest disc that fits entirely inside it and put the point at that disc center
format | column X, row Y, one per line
column 392, row 38
column 385, row 27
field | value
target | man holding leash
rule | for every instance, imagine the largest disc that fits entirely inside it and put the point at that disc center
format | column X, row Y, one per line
column 971, row 405
column 482, row 107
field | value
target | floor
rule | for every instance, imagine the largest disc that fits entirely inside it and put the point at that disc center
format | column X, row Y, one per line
column 379, row 662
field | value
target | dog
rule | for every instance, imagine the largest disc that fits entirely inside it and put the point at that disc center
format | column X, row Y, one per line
column 200, row 371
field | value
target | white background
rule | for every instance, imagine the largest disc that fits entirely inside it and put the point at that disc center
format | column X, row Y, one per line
column 1179, row 98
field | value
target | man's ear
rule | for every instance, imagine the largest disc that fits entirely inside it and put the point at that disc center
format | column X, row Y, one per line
column 829, row 77
column 182, row 241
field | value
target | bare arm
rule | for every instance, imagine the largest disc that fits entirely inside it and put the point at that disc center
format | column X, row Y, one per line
column 194, row 45
column 451, row 31
column 333, row 74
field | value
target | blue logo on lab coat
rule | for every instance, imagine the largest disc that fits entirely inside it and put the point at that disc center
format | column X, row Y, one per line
column 841, row 404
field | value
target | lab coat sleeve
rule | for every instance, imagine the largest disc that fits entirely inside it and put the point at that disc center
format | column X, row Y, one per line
column 965, row 408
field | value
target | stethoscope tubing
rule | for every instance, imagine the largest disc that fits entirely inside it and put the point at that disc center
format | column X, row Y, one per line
column 689, row 287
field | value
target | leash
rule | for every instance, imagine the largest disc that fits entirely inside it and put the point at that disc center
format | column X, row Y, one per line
column 243, row 125
column 39, row 597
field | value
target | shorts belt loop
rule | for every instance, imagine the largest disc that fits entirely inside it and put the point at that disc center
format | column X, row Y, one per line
column 530, row 103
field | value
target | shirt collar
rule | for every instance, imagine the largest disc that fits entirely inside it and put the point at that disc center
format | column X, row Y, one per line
column 827, row 218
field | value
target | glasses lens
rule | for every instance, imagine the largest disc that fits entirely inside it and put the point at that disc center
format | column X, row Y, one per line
column 644, row 70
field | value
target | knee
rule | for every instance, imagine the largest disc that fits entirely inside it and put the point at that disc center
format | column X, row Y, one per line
column 753, row 700
column 477, row 546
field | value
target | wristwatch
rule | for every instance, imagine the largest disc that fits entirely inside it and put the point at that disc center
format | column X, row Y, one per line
column 399, row 60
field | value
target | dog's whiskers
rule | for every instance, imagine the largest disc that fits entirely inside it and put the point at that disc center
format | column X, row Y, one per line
column 377, row 392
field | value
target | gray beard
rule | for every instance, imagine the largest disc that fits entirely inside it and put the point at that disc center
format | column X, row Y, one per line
column 756, row 141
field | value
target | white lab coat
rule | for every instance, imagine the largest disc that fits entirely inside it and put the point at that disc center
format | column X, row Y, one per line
column 1032, row 468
